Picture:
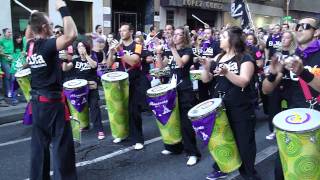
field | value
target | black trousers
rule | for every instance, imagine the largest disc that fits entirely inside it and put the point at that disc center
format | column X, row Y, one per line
column 49, row 127
column 94, row 109
column 278, row 172
column 204, row 93
column 242, row 123
column 186, row 100
column 136, row 100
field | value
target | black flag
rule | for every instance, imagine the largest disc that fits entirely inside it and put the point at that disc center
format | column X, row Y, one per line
column 239, row 10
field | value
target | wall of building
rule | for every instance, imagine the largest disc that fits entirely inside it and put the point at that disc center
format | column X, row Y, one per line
column 5, row 15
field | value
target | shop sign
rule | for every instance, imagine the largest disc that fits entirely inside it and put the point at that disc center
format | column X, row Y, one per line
column 209, row 4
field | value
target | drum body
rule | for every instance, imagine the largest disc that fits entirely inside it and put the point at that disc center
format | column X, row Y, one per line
column 163, row 101
column 195, row 74
column 78, row 88
column 298, row 138
column 157, row 72
column 221, row 143
column 23, row 79
column 116, row 90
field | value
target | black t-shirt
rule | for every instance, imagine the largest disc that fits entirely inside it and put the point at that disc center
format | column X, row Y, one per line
column 46, row 72
column 144, row 64
column 97, row 56
column 297, row 99
column 134, row 71
column 183, row 74
column 211, row 49
column 83, row 70
column 273, row 43
column 233, row 95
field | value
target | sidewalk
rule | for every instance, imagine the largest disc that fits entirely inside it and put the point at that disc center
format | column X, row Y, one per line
column 15, row 113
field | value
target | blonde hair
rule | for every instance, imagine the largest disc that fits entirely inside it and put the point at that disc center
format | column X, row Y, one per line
column 293, row 45
column 186, row 37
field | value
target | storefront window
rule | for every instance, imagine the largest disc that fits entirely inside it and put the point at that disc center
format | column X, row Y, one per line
column 170, row 17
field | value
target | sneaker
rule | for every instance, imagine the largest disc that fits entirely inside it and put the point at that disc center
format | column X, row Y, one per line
column 216, row 175
column 117, row 140
column 101, row 135
column 166, row 152
column 193, row 160
column 271, row 136
column 138, row 146
column 14, row 102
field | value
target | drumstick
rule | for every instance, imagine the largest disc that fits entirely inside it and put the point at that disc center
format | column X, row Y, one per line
column 23, row 6
column 194, row 16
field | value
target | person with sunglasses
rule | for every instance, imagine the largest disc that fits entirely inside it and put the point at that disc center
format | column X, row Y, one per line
column 303, row 65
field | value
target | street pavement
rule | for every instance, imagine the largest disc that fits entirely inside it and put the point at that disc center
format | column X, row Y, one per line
column 104, row 160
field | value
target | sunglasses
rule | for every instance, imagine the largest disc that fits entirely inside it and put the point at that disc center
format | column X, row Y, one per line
column 305, row 26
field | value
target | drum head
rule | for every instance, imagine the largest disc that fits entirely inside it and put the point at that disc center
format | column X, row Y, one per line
column 196, row 71
column 75, row 83
column 23, row 73
column 115, row 76
column 297, row 120
column 161, row 89
column 204, row 108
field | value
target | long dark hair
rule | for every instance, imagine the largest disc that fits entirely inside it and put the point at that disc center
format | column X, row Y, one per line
column 236, row 41
column 17, row 45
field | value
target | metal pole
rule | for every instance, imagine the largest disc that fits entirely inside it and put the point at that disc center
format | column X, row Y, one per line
column 23, row 6
column 249, row 13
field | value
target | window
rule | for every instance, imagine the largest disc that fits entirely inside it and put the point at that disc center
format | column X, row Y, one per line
column 170, row 17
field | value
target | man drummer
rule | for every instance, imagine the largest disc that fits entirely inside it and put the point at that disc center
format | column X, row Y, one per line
column 126, row 56
column 50, row 124
column 209, row 49
column 303, row 66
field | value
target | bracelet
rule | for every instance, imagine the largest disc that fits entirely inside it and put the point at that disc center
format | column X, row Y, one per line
column 272, row 77
column 64, row 11
column 306, row 75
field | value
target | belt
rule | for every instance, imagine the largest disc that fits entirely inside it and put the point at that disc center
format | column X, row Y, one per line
column 44, row 99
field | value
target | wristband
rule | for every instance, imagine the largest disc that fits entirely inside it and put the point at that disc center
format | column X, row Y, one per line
column 272, row 77
column 306, row 75
column 120, row 53
column 64, row 11
column 65, row 60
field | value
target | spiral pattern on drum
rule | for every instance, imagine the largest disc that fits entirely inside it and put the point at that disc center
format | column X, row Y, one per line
column 224, row 153
column 307, row 166
column 294, row 147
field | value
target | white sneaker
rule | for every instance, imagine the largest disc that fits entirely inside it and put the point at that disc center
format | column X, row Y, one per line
column 166, row 152
column 117, row 140
column 271, row 136
column 192, row 160
column 138, row 146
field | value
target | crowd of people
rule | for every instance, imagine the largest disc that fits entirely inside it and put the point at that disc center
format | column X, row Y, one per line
column 247, row 69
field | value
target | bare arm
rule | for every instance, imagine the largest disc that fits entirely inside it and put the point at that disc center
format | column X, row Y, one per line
column 131, row 59
column 246, row 73
column 268, row 87
column 28, row 34
column 67, row 66
column 92, row 62
column 69, row 28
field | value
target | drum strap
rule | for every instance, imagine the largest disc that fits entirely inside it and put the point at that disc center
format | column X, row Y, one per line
column 30, row 50
column 307, row 93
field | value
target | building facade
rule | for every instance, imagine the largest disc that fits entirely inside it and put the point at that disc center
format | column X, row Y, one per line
column 144, row 13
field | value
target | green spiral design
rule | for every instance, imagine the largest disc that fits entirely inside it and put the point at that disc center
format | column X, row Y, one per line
column 284, row 162
column 24, row 83
column 228, row 135
column 224, row 153
column 294, row 147
column 307, row 167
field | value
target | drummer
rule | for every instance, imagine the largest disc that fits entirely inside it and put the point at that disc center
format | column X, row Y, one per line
column 51, row 125
column 126, row 57
column 305, row 65
column 180, row 47
column 233, row 70
column 86, row 68
column 209, row 49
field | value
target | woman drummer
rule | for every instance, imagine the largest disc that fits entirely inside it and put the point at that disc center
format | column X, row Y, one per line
column 86, row 68
column 182, row 54
column 233, row 70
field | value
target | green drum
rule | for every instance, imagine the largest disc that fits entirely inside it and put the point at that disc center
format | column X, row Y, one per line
column 195, row 74
column 116, row 90
column 78, row 90
column 298, row 138
column 23, row 79
column 210, row 121
column 163, row 101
